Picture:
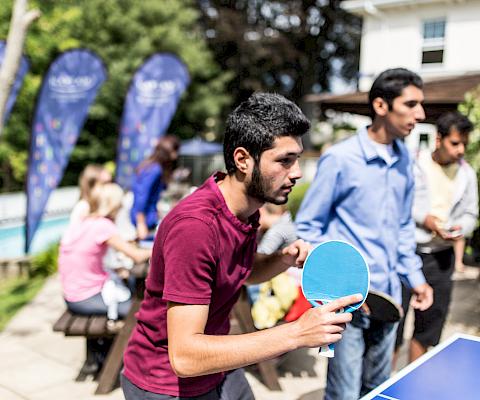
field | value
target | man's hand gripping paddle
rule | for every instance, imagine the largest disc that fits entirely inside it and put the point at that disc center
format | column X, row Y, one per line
column 334, row 269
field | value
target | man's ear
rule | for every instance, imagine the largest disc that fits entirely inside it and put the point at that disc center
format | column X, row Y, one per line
column 243, row 160
column 438, row 141
column 380, row 106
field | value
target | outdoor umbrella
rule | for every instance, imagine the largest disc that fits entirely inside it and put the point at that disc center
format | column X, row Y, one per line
column 199, row 147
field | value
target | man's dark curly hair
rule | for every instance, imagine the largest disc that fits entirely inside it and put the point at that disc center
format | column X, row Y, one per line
column 453, row 119
column 257, row 122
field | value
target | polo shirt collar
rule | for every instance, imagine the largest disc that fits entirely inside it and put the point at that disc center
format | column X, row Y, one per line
column 253, row 220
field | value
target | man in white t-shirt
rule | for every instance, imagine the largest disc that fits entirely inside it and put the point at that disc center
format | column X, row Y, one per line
column 445, row 209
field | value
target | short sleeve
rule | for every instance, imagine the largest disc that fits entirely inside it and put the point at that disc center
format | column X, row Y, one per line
column 189, row 252
column 104, row 230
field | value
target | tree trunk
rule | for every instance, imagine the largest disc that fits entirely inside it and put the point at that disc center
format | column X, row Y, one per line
column 21, row 19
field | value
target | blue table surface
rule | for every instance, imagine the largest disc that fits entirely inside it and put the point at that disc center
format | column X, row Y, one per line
column 453, row 372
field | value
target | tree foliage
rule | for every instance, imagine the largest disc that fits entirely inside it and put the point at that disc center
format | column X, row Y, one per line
column 471, row 108
column 293, row 47
column 123, row 33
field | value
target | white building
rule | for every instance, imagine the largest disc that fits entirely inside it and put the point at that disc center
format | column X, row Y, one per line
column 434, row 38
column 438, row 39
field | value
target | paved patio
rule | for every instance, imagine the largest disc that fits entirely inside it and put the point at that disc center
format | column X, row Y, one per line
column 38, row 364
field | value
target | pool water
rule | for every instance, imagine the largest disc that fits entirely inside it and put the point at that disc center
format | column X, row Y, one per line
column 12, row 239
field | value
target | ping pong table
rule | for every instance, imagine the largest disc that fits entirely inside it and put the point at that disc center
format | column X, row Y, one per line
column 448, row 371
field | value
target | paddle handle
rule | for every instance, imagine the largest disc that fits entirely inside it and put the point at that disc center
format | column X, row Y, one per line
column 327, row 351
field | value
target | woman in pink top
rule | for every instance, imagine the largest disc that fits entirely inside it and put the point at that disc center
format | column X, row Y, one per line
column 82, row 249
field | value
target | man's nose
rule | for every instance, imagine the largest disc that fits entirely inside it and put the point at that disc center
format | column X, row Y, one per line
column 419, row 113
column 296, row 171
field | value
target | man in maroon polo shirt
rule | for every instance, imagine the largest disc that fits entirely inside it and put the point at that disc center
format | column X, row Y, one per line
column 204, row 252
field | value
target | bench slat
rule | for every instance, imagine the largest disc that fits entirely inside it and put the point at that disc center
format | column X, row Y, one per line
column 82, row 325
column 78, row 326
column 98, row 326
column 63, row 322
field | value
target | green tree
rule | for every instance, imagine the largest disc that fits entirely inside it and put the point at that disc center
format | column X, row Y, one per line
column 293, row 47
column 46, row 38
column 471, row 108
column 123, row 33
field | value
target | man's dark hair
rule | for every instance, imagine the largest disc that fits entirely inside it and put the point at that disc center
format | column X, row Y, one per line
column 390, row 84
column 453, row 119
column 257, row 122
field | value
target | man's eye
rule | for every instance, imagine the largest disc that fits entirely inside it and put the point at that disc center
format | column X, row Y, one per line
column 411, row 104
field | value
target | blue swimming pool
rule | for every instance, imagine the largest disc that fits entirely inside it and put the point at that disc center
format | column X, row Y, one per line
column 12, row 239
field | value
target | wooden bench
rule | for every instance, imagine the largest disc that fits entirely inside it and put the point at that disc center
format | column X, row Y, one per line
column 92, row 326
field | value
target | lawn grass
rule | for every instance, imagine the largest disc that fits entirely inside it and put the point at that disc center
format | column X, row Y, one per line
column 15, row 292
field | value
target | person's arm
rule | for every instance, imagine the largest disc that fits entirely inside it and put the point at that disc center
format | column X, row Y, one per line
column 135, row 253
column 280, row 234
column 193, row 353
column 142, row 189
column 409, row 265
column 421, row 199
column 316, row 208
column 266, row 266
column 468, row 221
column 141, row 224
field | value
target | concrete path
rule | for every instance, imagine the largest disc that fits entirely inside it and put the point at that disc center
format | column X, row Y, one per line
column 38, row 364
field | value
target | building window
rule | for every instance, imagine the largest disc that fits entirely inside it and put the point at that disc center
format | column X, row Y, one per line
column 433, row 41
column 432, row 56
column 434, row 29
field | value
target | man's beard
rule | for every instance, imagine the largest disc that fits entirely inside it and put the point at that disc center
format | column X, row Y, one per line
column 260, row 187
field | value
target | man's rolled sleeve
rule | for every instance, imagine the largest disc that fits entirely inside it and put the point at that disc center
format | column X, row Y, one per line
column 415, row 279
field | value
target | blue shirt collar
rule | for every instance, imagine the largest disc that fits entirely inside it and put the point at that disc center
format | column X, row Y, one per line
column 369, row 150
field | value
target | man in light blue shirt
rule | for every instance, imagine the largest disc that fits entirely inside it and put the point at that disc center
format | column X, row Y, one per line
column 362, row 193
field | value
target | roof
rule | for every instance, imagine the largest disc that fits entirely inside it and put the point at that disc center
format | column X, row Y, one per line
column 373, row 7
column 441, row 95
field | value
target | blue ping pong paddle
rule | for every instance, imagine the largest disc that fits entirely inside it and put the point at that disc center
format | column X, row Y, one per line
column 332, row 270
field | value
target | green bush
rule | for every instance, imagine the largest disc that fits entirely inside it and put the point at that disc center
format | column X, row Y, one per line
column 46, row 262
column 15, row 292
column 295, row 198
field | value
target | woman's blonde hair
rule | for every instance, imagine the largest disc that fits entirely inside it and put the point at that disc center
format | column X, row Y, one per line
column 105, row 200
